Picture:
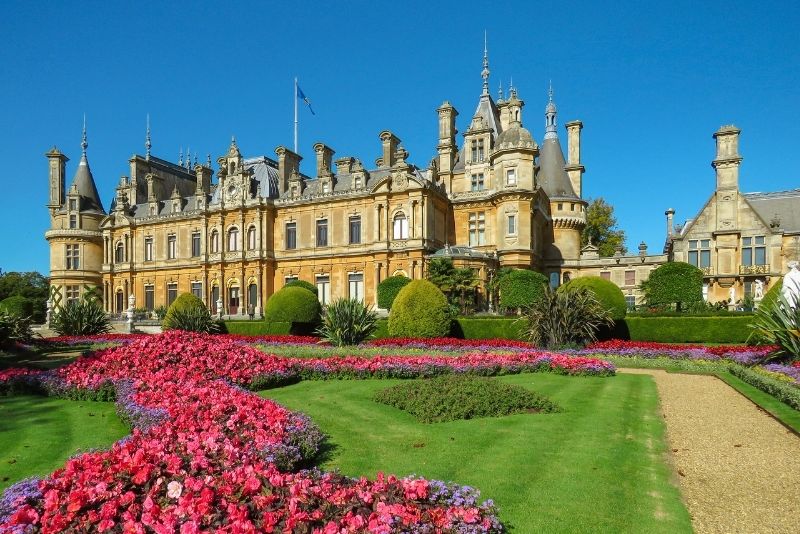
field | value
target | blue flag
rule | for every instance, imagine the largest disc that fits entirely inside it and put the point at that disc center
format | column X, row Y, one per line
column 302, row 95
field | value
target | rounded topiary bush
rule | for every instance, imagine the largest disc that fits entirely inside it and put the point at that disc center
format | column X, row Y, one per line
column 389, row 288
column 302, row 283
column 674, row 283
column 293, row 304
column 18, row 306
column 420, row 310
column 607, row 293
column 521, row 288
column 186, row 302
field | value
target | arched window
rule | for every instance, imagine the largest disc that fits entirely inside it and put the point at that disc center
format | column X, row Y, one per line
column 214, row 241
column 119, row 252
column 251, row 238
column 233, row 239
column 400, row 226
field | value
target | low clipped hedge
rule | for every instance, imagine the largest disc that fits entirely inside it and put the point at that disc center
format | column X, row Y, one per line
column 420, row 310
column 521, row 288
column 488, row 328
column 18, row 306
column 719, row 329
column 259, row 328
column 605, row 291
column 389, row 288
column 785, row 392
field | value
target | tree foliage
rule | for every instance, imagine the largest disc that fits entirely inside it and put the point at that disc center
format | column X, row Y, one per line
column 188, row 312
column 674, row 283
column 420, row 310
column 389, row 288
column 521, row 288
column 601, row 227
column 304, row 284
column 31, row 285
column 607, row 293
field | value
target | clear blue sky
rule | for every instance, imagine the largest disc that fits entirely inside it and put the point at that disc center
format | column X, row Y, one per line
column 650, row 82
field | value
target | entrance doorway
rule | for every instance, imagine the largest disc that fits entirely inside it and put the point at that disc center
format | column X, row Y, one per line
column 233, row 301
column 120, row 301
column 252, row 297
column 214, row 299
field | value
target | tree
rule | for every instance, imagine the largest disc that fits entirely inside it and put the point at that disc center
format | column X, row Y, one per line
column 440, row 274
column 464, row 281
column 31, row 285
column 601, row 227
column 673, row 283
column 521, row 288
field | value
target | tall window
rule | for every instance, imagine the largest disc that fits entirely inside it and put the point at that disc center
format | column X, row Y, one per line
column 149, row 298
column 73, row 293
column 322, row 233
column 355, row 230
column 630, row 278
column 400, row 226
column 172, row 292
column 356, row 282
column 197, row 290
column 73, row 221
column 214, row 241
column 477, row 182
column 511, row 177
column 172, row 247
column 73, row 204
column 754, row 251
column 119, row 252
column 233, row 239
column 512, row 224
column 605, row 275
column 251, row 238
column 148, row 249
column 700, row 252
column 630, row 301
column 73, row 257
column 357, row 182
column 480, row 149
column 324, row 288
column 195, row 244
column 291, row 235
column 326, row 187
column 474, row 151
column 477, row 229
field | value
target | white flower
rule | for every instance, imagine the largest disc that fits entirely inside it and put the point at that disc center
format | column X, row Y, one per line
column 174, row 489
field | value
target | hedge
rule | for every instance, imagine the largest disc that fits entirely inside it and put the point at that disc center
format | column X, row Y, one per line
column 292, row 304
column 783, row 391
column 521, row 288
column 420, row 310
column 259, row 328
column 302, row 283
column 17, row 306
column 488, row 328
column 388, row 290
column 720, row 329
column 607, row 293
column 184, row 302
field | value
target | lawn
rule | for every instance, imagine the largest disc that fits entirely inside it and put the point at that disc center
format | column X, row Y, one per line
column 38, row 434
column 599, row 465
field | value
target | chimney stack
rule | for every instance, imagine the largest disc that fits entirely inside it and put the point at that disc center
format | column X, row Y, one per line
column 288, row 162
column 669, row 213
column 324, row 159
column 389, row 142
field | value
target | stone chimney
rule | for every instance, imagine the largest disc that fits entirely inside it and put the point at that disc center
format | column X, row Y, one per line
column 288, row 162
column 642, row 249
column 203, row 174
column 344, row 165
column 389, row 142
column 670, row 228
column 574, row 168
column 324, row 159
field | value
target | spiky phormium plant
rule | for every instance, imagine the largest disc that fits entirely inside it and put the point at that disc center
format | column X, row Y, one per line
column 347, row 322
column 564, row 318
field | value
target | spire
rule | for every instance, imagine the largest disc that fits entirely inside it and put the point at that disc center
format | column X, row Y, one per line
column 550, row 127
column 147, row 143
column 208, row 160
column 485, row 71
column 83, row 182
column 84, row 143
column 188, row 157
column 180, row 157
column 500, row 91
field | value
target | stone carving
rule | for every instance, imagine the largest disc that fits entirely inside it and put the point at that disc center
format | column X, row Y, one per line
column 758, row 291
column 791, row 285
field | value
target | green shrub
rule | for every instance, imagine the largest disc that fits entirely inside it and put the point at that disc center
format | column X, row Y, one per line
column 772, row 295
column 293, row 305
column 17, row 305
column 420, row 310
column 521, row 288
column 453, row 397
column 488, row 328
column 388, row 290
column 184, row 302
column 192, row 320
column 82, row 317
column 13, row 329
column 305, row 285
column 778, row 324
column 565, row 318
column 347, row 322
column 674, row 283
column 161, row 312
column 714, row 329
column 785, row 392
column 381, row 329
column 607, row 293
column 258, row 328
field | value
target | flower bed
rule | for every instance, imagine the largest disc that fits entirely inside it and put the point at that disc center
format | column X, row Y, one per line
column 743, row 354
column 451, row 343
column 207, row 454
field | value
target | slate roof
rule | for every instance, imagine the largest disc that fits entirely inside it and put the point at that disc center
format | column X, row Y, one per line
column 783, row 205
column 84, row 183
column 552, row 176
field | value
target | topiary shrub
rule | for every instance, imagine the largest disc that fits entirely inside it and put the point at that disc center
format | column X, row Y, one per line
column 82, row 317
column 420, row 310
column 293, row 304
column 305, row 285
column 184, row 303
column 388, row 290
column 18, row 306
column 347, row 322
column 452, row 397
column 607, row 293
column 674, row 283
column 521, row 288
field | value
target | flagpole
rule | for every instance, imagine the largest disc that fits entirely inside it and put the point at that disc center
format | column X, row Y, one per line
column 295, row 115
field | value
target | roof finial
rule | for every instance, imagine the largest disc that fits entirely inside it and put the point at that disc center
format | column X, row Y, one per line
column 500, row 91
column 180, row 157
column 188, row 157
column 233, row 140
column 550, row 92
column 550, row 129
column 195, row 158
column 147, row 143
column 84, row 143
column 485, row 71
column 208, row 160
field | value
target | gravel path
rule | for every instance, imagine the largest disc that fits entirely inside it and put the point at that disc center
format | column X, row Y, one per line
column 738, row 468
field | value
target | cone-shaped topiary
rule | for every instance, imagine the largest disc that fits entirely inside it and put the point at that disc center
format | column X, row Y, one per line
column 607, row 293
column 302, row 283
column 184, row 302
column 388, row 290
column 521, row 288
column 293, row 304
column 420, row 310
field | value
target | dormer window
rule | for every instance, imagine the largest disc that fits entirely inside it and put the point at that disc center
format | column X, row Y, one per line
column 73, row 221
column 357, row 182
column 73, row 204
column 326, row 187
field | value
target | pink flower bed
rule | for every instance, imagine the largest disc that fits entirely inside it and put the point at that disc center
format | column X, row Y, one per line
column 451, row 343
column 206, row 454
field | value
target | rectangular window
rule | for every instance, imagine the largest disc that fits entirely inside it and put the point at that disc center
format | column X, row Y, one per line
column 630, row 278
column 480, row 149
column 73, row 221
column 149, row 298
column 700, row 253
column 512, row 225
column 171, row 246
column 605, row 275
column 400, row 227
column 195, row 244
column 474, row 151
column 73, row 293
column 477, row 229
column 288, row 279
column 72, row 257
column 356, row 282
column 324, row 289
column 172, row 292
column 630, row 300
column 357, row 182
column 754, row 251
column 322, row 233
column 477, row 182
column 355, row 230
column 251, row 238
column 197, row 290
column 73, row 204
column 148, row 249
column 291, row 236
column 511, row 177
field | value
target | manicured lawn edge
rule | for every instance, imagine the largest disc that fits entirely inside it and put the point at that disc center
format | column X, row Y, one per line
column 785, row 414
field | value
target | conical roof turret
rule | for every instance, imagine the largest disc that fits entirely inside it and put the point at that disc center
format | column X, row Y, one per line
column 553, row 177
column 83, row 182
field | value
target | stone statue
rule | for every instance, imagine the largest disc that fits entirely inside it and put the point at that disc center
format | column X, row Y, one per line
column 791, row 285
column 732, row 294
column 758, row 292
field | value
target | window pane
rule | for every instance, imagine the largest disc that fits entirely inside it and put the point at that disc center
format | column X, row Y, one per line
column 630, row 278
column 605, row 275
column 693, row 257
column 761, row 256
column 693, row 243
column 760, row 240
column 149, row 298
column 322, row 233
column 747, row 256
column 705, row 258
column 705, row 243
column 197, row 290
column 355, row 230
column 324, row 289
column 291, row 235
column 746, row 241
column 356, row 283
column 512, row 224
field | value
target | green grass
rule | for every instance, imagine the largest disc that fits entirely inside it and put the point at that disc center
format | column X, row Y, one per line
column 784, row 413
column 598, row 466
column 38, row 434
